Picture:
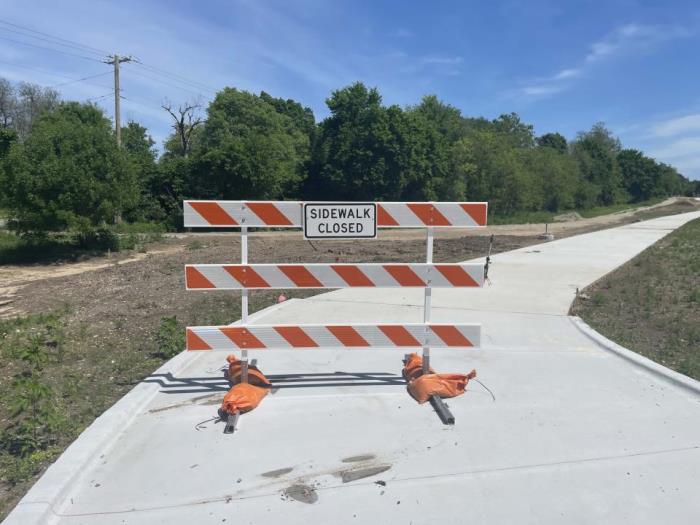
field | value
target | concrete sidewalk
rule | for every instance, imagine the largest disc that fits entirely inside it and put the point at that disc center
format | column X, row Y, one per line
column 576, row 434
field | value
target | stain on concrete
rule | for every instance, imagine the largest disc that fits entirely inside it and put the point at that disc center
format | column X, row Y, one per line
column 302, row 493
column 277, row 473
column 361, row 473
column 361, row 457
column 209, row 399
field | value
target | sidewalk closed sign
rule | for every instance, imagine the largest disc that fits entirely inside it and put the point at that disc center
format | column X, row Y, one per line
column 340, row 220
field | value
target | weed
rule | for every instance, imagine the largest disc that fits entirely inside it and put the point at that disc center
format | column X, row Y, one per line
column 599, row 298
column 170, row 337
column 694, row 296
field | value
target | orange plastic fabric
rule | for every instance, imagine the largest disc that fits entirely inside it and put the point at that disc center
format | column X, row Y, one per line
column 243, row 398
column 235, row 371
column 422, row 386
column 413, row 367
column 442, row 385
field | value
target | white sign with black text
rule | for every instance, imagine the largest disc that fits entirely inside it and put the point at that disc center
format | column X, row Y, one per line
column 340, row 220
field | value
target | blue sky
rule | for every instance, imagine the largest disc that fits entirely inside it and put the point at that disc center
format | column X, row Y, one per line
column 562, row 65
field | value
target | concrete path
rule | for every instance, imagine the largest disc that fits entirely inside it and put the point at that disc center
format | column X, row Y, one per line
column 576, row 434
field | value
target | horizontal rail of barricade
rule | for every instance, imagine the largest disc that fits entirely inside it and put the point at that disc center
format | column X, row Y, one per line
column 380, row 275
column 253, row 337
column 288, row 214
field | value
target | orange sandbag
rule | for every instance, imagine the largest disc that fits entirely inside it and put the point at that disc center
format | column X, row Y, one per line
column 243, row 397
column 413, row 367
column 442, row 385
column 235, row 371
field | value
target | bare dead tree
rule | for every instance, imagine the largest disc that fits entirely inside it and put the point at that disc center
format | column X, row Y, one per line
column 186, row 118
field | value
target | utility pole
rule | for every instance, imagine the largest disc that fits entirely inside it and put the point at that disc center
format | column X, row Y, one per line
column 116, row 60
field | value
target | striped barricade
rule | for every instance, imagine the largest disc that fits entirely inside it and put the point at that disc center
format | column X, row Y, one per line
column 288, row 214
column 250, row 276
column 253, row 337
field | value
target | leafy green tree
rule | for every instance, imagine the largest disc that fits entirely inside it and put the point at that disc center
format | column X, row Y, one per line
column 596, row 152
column 248, row 149
column 492, row 169
column 555, row 141
column 7, row 137
column 517, row 133
column 555, row 178
column 367, row 151
column 141, row 154
column 68, row 173
column 640, row 175
column 356, row 155
column 446, row 119
column 172, row 182
column 302, row 117
column 671, row 182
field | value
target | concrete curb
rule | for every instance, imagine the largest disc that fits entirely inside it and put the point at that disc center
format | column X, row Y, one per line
column 44, row 499
column 676, row 378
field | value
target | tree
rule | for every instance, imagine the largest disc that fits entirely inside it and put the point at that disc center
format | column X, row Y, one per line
column 366, row 151
column 186, row 121
column 248, row 150
column 139, row 150
column 492, row 170
column 69, row 173
column 671, row 182
column 302, row 117
column 21, row 105
column 518, row 134
column 446, row 119
column 7, row 138
column 555, row 141
column 7, row 103
column 596, row 152
column 554, row 176
column 640, row 175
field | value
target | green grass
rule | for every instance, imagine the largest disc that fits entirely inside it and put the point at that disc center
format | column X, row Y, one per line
column 537, row 217
column 615, row 208
column 652, row 304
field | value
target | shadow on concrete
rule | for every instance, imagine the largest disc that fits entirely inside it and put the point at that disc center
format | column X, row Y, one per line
column 171, row 384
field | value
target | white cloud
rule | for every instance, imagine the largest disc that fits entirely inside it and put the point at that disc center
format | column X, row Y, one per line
column 567, row 73
column 625, row 39
column 536, row 91
column 677, row 126
column 442, row 60
column 681, row 148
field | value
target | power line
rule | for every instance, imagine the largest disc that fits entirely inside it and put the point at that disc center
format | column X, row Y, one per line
column 101, row 97
column 82, row 80
column 176, row 77
column 71, row 42
column 53, row 74
column 50, row 49
column 155, row 79
column 50, row 41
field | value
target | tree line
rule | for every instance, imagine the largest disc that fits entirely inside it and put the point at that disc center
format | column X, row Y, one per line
column 60, row 168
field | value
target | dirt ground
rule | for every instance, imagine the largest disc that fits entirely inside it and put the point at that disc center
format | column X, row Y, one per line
column 107, row 310
column 16, row 299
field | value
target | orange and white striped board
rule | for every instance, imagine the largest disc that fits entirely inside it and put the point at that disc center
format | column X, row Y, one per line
column 288, row 214
column 333, row 336
column 246, row 276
